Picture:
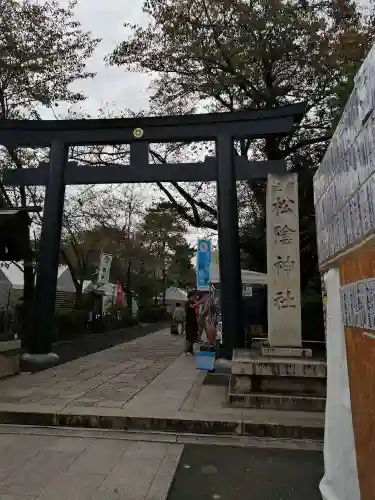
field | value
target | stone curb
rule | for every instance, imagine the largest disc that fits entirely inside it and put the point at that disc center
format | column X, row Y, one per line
column 162, row 424
column 277, row 401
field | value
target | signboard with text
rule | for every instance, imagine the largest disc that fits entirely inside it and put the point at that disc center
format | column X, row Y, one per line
column 104, row 268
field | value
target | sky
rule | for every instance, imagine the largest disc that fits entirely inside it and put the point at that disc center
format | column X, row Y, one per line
column 112, row 85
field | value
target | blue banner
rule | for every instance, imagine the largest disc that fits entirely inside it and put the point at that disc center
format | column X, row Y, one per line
column 203, row 264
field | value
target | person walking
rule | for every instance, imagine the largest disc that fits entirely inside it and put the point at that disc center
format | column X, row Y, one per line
column 179, row 317
column 191, row 325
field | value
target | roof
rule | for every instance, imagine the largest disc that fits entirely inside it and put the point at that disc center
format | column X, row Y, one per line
column 12, row 273
column 248, row 277
column 174, row 294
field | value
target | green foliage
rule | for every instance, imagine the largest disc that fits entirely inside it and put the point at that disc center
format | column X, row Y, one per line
column 146, row 260
column 43, row 50
column 181, row 271
column 164, row 230
column 146, row 287
column 124, row 317
column 164, row 234
column 152, row 314
column 71, row 323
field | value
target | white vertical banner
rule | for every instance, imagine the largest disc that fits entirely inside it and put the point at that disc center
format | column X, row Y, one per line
column 340, row 481
column 283, row 261
column 104, row 268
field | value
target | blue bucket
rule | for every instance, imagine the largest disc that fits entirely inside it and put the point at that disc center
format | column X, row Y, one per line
column 205, row 360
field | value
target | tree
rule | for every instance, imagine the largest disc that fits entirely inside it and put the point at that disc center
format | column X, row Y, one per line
column 149, row 249
column 181, row 271
column 229, row 55
column 164, row 233
column 241, row 54
column 43, row 50
column 99, row 219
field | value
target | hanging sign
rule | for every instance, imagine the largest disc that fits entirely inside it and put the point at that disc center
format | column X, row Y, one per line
column 104, row 268
column 203, row 264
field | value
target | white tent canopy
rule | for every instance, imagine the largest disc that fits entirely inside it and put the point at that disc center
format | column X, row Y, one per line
column 13, row 275
column 174, row 294
column 248, row 277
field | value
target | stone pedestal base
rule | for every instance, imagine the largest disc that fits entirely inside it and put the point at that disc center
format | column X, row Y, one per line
column 9, row 357
column 34, row 363
column 288, row 352
column 292, row 383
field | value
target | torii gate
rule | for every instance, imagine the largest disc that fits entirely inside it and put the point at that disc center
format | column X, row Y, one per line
column 225, row 168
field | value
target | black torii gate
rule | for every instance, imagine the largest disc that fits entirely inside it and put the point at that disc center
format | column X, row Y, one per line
column 225, row 168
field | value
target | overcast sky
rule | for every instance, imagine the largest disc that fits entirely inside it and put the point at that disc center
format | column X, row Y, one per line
column 118, row 88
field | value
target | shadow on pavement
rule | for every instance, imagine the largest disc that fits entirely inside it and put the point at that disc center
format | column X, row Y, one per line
column 229, row 473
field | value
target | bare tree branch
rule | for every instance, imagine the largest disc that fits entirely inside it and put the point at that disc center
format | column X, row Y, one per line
column 192, row 202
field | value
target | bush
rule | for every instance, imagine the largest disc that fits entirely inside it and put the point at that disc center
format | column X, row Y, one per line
column 8, row 327
column 119, row 317
column 153, row 314
column 70, row 322
column 127, row 318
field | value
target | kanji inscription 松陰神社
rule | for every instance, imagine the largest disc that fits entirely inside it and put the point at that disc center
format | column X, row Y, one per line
column 283, row 262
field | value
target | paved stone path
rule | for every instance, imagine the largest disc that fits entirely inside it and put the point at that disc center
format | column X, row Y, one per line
column 107, row 379
column 89, row 344
column 142, row 384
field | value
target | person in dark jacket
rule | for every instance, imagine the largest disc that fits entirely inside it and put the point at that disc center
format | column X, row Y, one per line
column 191, row 324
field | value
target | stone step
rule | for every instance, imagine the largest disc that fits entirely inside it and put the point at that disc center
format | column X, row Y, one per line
column 278, row 402
column 279, row 367
column 271, row 425
column 298, row 386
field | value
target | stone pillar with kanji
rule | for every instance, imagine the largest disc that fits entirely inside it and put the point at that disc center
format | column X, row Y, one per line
column 283, row 266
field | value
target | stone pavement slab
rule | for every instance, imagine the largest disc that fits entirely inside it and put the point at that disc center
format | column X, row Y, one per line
column 79, row 468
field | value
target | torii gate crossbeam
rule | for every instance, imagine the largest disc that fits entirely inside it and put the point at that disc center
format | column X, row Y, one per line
column 225, row 168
